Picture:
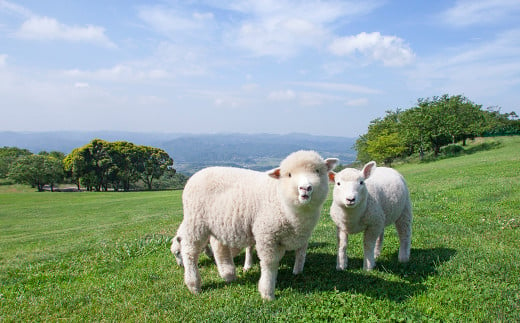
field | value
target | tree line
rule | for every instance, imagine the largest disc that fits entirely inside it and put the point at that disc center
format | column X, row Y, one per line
column 430, row 125
column 97, row 166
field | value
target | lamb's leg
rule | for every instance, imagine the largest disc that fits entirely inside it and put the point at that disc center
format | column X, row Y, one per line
column 369, row 243
column 342, row 260
column 379, row 244
column 224, row 260
column 248, row 263
column 190, row 257
column 269, row 262
column 403, row 226
column 299, row 259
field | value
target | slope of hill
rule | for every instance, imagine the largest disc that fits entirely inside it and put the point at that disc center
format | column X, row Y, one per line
column 193, row 152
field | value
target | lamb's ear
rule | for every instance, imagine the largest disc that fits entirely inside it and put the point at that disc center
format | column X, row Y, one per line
column 332, row 177
column 331, row 162
column 274, row 173
column 368, row 169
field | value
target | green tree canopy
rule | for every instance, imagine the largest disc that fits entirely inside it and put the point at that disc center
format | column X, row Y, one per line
column 37, row 171
column 8, row 155
column 101, row 164
column 430, row 125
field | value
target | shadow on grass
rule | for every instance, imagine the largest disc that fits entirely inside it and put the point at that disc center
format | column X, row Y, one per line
column 488, row 145
column 320, row 274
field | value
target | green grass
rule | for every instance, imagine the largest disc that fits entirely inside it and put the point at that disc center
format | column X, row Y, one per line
column 105, row 256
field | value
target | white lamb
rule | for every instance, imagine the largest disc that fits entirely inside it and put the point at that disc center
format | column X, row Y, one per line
column 368, row 201
column 274, row 211
column 176, row 250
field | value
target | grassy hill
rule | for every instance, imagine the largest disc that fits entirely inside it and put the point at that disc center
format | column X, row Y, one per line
column 104, row 256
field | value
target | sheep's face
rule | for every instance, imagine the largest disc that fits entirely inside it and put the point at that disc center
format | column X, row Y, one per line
column 350, row 188
column 176, row 249
column 303, row 178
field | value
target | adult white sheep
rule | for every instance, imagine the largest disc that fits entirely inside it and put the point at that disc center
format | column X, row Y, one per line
column 368, row 201
column 274, row 211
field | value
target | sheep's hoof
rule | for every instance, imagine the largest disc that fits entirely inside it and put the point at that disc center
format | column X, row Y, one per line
column 404, row 259
column 194, row 289
column 268, row 297
column 341, row 267
column 369, row 268
column 228, row 278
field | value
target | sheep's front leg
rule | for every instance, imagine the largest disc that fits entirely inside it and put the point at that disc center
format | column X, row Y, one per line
column 342, row 260
column 190, row 257
column 299, row 259
column 369, row 242
column 269, row 262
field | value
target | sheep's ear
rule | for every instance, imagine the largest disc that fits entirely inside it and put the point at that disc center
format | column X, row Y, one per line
column 368, row 169
column 331, row 162
column 332, row 177
column 274, row 173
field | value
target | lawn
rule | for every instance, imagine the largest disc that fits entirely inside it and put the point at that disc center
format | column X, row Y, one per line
column 105, row 256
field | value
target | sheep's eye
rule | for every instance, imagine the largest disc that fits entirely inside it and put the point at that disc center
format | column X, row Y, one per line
column 289, row 174
column 317, row 171
column 361, row 182
column 339, row 183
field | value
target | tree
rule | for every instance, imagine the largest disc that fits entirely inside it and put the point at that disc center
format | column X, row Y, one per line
column 430, row 125
column 385, row 148
column 119, row 164
column 8, row 155
column 37, row 171
column 383, row 141
column 499, row 124
column 155, row 163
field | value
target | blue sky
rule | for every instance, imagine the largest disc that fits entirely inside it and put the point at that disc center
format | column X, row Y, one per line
column 317, row 67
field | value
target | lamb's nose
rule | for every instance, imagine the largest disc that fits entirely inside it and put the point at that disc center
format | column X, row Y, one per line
column 306, row 188
column 351, row 200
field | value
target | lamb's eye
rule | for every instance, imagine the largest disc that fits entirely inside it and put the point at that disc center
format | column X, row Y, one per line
column 289, row 174
column 339, row 183
column 317, row 171
column 361, row 182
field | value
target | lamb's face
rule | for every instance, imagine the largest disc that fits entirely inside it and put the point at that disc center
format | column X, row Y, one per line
column 176, row 249
column 349, row 188
column 303, row 178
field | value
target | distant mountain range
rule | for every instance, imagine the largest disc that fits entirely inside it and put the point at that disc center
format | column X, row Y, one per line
column 193, row 152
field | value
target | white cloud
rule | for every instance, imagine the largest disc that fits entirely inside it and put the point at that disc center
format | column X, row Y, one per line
column 121, row 73
column 283, row 95
column 481, row 70
column 171, row 21
column 390, row 50
column 283, row 28
column 342, row 87
column 357, row 102
column 14, row 9
column 471, row 12
column 45, row 28
column 279, row 36
column 81, row 85
column 3, row 60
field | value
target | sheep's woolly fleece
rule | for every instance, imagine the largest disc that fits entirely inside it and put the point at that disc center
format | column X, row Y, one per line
column 276, row 211
column 367, row 201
